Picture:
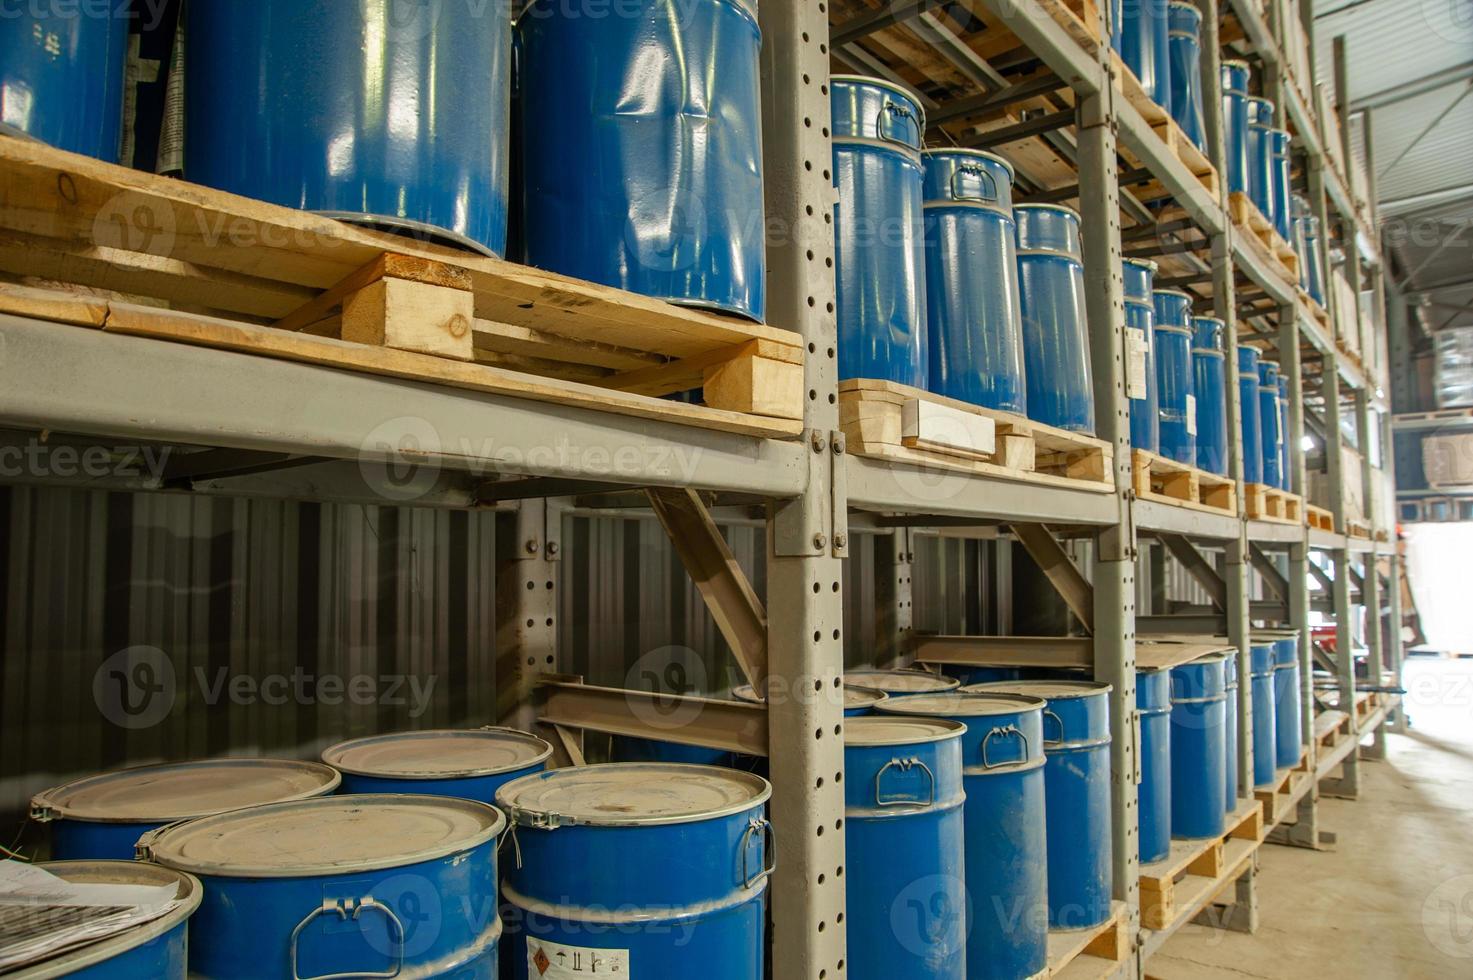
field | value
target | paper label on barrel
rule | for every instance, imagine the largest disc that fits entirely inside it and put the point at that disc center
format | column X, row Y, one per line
column 1191, row 415
column 1280, row 403
column 547, row 960
column 1136, row 349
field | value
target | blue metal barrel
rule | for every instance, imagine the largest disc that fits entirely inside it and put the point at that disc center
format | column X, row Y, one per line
column 858, row 701
column 1265, row 726
column 1175, row 376
column 902, row 683
column 1235, row 75
column 1145, row 46
column 1185, row 75
column 1230, row 736
column 1261, row 157
column 1279, row 144
column 1198, row 748
column 367, row 885
column 904, row 837
column 1269, row 417
column 1286, row 478
column 1076, row 732
column 1153, row 704
column 471, row 764
column 365, row 111
column 1007, row 854
column 1314, row 274
column 1288, row 738
column 1209, row 367
column 1301, row 240
column 879, row 233
column 647, row 867
column 1139, row 275
column 155, row 949
column 1055, row 339
column 101, row 817
column 62, row 75
column 642, row 151
column 1252, row 430
column 972, row 306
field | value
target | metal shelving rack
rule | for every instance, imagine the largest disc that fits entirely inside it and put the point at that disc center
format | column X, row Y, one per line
column 292, row 430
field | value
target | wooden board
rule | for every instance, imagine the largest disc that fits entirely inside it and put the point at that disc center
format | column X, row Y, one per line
column 1319, row 518
column 1261, row 236
column 1159, row 654
column 1266, row 503
column 1168, row 482
column 1162, row 882
column 1104, row 946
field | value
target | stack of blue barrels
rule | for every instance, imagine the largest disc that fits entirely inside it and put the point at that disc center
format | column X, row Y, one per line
column 1176, row 376
column 1139, row 276
column 1209, row 362
column 1161, row 43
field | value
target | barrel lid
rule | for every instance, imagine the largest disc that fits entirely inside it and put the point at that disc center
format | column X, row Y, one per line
column 1143, row 263
column 884, row 83
column 439, row 754
column 1183, row 5
column 854, row 696
column 1176, row 292
column 900, row 730
column 326, row 836
column 1046, row 689
column 1061, row 208
column 962, row 151
column 1236, row 63
column 178, row 791
column 1210, row 319
column 1265, row 362
column 631, row 794
column 967, row 703
column 902, row 681
column 1259, row 98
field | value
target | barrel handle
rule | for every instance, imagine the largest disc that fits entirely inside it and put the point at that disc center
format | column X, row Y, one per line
column 1003, row 732
column 340, row 908
column 759, row 825
column 896, row 109
column 1047, row 714
column 989, row 195
column 904, row 765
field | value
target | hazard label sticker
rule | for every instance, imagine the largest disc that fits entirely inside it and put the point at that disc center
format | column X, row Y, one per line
column 547, row 960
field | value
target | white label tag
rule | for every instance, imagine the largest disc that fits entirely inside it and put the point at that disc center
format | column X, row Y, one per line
column 1280, row 403
column 554, row 961
column 1191, row 415
column 1136, row 349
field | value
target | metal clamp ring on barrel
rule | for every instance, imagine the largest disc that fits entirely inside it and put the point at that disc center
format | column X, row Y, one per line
column 1004, row 732
column 896, row 109
column 989, row 182
column 340, row 908
column 905, row 765
column 763, row 826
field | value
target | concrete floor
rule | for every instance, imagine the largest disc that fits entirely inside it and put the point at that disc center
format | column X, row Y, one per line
column 1394, row 899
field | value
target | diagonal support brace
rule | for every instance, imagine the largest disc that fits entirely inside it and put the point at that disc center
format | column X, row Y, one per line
column 1045, row 549
column 1275, row 582
column 1198, row 568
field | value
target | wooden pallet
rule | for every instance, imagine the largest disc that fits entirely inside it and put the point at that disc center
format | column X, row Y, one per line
column 1319, row 518
column 1165, row 481
column 1329, row 728
column 1359, row 529
column 1168, row 130
column 1261, row 234
column 1289, row 785
column 284, row 279
column 875, row 415
column 1318, row 312
column 1169, row 886
column 1266, row 503
column 1090, row 953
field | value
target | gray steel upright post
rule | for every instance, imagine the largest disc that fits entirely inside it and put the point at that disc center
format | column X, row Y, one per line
column 807, row 536
column 1348, row 786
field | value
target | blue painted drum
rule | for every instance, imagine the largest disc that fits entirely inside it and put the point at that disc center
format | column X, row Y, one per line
column 1251, row 429
column 1175, row 377
column 1230, row 737
column 1185, row 73
column 972, row 306
column 1209, row 366
column 1145, row 46
column 154, row 949
column 1076, row 732
column 651, row 179
column 879, row 231
column 1261, row 157
column 1269, row 417
column 1314, row 274
column 1265, row 725
column 1153, row 705
column 101, row 817
column 1283, row 218
column 470, row 764
column 1198, row 748
column 1288, row 704
column 339, row 108
column 1139, row 275
column 362, row 885
column 62, row 75
column 1286, row 478
column 1006, row 845
column 1235, row 75
column 1055, row 344
column 901, row 683
column 649, row 868
column 904, row 836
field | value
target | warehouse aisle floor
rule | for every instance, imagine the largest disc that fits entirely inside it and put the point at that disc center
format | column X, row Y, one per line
column 1395, row 898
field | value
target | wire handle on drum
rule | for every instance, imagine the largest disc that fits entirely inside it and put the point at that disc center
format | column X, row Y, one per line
column 1047, row 714
column 341, row 907
column 989, row 194
column 1004, row 732
column 904, row 765
column 896, row 109
column 759, row 825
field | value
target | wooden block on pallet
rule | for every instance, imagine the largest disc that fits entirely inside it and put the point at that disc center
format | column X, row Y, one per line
column 930, row 425
column 1113, row 943
column 761, row 379
column 411, row 316
column 1163, row 480
column 1250, row 825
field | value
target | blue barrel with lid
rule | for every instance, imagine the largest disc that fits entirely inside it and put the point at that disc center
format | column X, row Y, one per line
column 1285, row 468
column 1251, row 428
column 362, row 885
column 975, row 326
column 642, row 149
column 1175, row 376
column 356, row 111
column 1153, row 705
column 1185, row 71
column 1314, row 275
column 901, row 683
column 1199, row 709
column 471, row 764
column 1140, row 329
column 879, row 231
column 1288, row 706
column 1076, row 733
column 1283, row 219
column 62, row 75
column 1006, row 845
column 1261, row 178
column 1265, row 723
column 1055, row 338
column 857, row 700
column 1300, row 242
column 904, row 837
column 101, row 817
column 1209, row 381
column 1145, row 46
column 1235, row 76
column 1230, row 736
column 154, row 949
column 646, row 868
column 1269, row 417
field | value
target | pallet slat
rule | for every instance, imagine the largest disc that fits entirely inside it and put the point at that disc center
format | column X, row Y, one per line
column 1166, row 481
column 1266, row 503
column 1261, row 235
column 1165, row 883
